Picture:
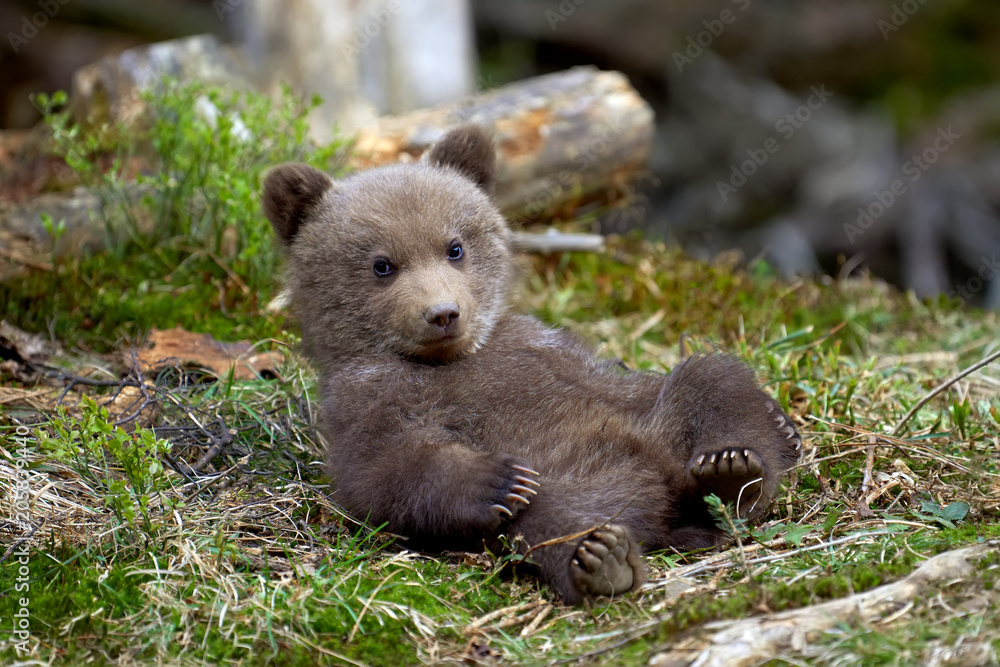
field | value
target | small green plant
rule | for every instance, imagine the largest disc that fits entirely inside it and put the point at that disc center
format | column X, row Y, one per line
column 946, row 516
column 185, row 242
column 733, row 526
column 960, row 414
column 54, row 230
column 793, row 533
column 127, row 465
column 723, row 515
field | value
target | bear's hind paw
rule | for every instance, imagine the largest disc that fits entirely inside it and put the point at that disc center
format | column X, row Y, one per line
column 727, row 465
column 785, row 427
column 734, row 474
column 602, row 565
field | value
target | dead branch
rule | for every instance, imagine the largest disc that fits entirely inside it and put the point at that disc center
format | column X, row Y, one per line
column 940, row 388
column 553, row 241
column 755, row 640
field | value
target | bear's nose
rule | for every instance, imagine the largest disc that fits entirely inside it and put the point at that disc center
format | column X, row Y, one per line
column 442, row 314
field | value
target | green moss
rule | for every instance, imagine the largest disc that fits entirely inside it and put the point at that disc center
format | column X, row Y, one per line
column 76, row 592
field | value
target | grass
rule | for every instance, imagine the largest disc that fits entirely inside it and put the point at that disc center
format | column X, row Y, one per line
column 248, row 560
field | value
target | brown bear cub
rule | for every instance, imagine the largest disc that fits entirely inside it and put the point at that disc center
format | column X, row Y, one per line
column 453, row 421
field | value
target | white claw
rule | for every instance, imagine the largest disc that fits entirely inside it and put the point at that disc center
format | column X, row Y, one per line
column 513, row 497
column 770, row 407
column 779, row 420
column 517, row 488
column 501, row 508
column 527, row 482
column 711, row 459
column 746, row 453
column 528, row 471
column 701, row 460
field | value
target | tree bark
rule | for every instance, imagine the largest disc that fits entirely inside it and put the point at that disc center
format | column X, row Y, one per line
column 563, row 138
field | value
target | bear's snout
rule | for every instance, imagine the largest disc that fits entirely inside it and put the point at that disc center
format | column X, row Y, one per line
column 442, row 315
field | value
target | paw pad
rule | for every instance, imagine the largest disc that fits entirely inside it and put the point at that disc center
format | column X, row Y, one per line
column 729, row 463
column 734, row 474
column 600, row 564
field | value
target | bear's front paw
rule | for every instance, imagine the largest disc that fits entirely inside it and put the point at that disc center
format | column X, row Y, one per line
column 516, row 491
column 606, row 562
column 734, row 474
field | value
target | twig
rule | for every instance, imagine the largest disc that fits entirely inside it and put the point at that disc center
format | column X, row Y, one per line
column 22, row 540
column 218, row 444
column 940, row 388
column 536, row 622
column 583, row 533
column 555, row 241
column 497, row 613
column 76, row 379
column 14, row 257
column 694, row 569
column 862, row 506
column 896, row 442
column 143, row 403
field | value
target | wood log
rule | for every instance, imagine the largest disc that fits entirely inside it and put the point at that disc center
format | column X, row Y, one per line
column 567, row 137
column 753, row 641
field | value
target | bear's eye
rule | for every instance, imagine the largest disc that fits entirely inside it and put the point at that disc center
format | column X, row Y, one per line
column 455, row 251
column 382, row 267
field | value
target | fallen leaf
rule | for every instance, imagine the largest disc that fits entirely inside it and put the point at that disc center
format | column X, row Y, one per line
column 129, row 404
column 166, row 347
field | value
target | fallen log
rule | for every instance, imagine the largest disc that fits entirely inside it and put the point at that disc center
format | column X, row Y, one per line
column 566, row 137
column 753, row 641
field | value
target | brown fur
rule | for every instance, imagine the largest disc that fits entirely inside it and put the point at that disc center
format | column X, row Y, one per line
column 435, row 398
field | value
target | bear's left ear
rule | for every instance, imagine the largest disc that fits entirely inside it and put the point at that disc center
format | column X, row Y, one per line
column 291, row 192
column 469, row 150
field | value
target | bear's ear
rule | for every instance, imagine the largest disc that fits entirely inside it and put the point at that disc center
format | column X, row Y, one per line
column 469, row 150
column 291, row 191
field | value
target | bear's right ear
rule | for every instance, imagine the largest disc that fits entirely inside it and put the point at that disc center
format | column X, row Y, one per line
column 469, row 150
column 291, row 191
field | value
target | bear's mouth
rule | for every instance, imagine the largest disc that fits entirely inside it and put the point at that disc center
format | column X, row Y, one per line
column 443, row 348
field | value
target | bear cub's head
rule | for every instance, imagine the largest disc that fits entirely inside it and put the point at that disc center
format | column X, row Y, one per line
column 411, row 260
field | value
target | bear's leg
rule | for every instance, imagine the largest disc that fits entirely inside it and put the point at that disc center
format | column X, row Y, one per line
column 584, row 532
column 728, row 436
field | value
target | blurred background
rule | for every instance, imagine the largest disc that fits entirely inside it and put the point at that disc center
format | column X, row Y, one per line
column 828, row 137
